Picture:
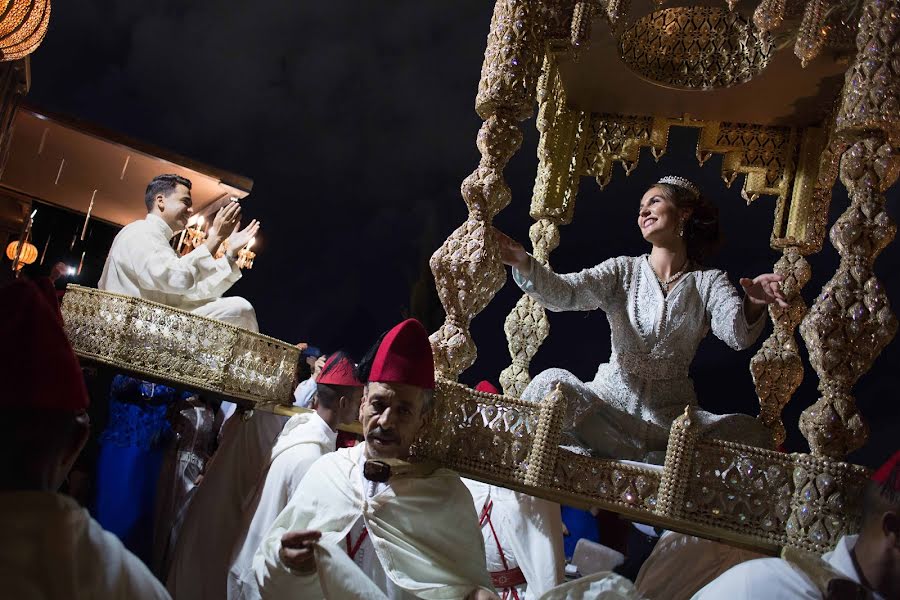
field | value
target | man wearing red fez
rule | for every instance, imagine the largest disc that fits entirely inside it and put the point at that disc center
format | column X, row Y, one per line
column 142, row 263
column 523, row 536
column 861, row 566
column 342, row 536
column 50, row 547
column 304, row 439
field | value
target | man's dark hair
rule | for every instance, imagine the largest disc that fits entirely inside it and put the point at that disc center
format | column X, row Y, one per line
column 304, row 371
column 163, row 184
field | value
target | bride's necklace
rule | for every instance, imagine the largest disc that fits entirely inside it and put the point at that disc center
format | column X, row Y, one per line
column 666, row 283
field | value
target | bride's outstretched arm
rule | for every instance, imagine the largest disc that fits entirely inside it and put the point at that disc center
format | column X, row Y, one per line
column 585, row 290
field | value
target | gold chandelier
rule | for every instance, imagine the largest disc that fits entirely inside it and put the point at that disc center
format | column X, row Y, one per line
column 23, row 25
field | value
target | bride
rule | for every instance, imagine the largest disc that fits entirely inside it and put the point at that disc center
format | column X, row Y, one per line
column 659, row 306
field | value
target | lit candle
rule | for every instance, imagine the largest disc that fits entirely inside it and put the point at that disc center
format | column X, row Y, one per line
column 81, row 264
column 87, row 217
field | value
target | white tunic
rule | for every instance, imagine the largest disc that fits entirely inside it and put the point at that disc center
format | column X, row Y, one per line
column 777, row 579
column 628, row 408
column 304, row 439
column 51, row 548
column 214, row 519
column 142, row 263
column 529, row 532
column 424, row 533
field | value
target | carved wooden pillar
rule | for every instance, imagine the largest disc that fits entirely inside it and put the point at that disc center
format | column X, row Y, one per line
column 552, row 205
column 799, row 229
column 777, row 368
column 467, row 268
column 851, row 320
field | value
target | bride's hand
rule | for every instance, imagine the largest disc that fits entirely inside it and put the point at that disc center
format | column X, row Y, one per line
column 512, row 253
column 765, row 289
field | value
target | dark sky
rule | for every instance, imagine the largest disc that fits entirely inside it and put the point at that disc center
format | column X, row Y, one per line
column 356, row 122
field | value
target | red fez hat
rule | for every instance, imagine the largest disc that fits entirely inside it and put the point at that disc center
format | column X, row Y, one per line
column 487, row 387
column 338, row 370
column 39, row 368
column 887, row 473
column 404, row 356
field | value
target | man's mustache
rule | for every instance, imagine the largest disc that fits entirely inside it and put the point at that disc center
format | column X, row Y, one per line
column 383, row 435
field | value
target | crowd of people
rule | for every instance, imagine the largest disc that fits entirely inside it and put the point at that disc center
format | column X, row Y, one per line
column 199, row 499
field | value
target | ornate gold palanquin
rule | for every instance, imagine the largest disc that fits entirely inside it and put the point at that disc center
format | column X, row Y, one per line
column 768, row 88
column 168, row 345
column 720, row 490
column 161, row 343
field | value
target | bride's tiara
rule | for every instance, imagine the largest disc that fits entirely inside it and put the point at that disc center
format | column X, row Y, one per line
column 685, row 184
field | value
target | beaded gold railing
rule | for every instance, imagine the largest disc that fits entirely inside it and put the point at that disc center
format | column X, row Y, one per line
column 167, row 344
column 711, row 488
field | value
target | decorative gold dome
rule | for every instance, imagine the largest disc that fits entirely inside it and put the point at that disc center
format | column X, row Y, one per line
column 696, row 47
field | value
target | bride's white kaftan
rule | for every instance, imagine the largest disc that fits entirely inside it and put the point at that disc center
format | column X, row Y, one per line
column 628, row 408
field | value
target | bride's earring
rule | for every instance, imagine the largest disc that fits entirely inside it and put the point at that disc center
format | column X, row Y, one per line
column 681, row 229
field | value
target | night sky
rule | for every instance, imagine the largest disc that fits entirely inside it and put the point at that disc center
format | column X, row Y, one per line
column 356, row 122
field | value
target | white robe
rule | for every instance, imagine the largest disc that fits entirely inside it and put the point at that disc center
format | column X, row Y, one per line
column 529, row 531
column 424, row 533
column 51, row 548
column 304, row 439
column 214, row 518
column 142, row 263
column 777, row 579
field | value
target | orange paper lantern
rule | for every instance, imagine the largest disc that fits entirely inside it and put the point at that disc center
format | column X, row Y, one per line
column 23, row 25
column 28, row 255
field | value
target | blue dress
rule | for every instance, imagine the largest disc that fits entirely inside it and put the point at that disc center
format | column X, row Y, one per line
column 131, row 452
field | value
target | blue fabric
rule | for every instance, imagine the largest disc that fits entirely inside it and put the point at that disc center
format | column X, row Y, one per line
column 131, row 453
column 126, row 494
column 581, row 524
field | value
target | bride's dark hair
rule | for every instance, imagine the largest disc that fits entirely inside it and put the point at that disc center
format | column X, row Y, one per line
column 702, row 234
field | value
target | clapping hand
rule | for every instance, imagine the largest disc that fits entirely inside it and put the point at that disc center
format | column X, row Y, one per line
column 765, row 289
column 297, row 549
column 241, row 238
column 225, row 222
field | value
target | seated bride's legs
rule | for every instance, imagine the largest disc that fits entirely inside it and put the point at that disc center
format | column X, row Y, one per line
column 739, row 428
column 580, row 399
column 613, row 433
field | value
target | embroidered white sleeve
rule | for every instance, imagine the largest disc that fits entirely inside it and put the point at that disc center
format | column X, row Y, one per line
column 726, row 312
column 585, row 290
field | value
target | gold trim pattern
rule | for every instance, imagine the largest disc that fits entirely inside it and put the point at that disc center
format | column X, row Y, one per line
column 167, row 344
column 720, row 490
